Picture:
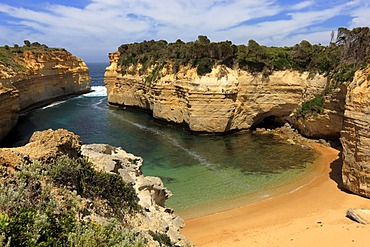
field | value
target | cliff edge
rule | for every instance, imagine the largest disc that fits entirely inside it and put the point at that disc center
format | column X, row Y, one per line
column 35, row 74
column 223, row 100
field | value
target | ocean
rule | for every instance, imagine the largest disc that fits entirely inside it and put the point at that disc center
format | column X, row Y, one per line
column 206, row 173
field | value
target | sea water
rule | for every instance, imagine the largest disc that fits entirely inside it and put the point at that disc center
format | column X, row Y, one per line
column 204, row 172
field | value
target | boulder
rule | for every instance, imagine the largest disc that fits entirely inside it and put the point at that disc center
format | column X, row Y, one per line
column 361, row 215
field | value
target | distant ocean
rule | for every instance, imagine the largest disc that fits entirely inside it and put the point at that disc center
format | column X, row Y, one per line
column 205, row 172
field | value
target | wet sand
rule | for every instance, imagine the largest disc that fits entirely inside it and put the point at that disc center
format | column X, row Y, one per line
column 313, row 214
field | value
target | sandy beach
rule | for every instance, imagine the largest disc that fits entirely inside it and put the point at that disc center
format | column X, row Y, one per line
column 313, row 215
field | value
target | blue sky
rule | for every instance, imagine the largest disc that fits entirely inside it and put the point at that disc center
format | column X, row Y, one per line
column 92, row 28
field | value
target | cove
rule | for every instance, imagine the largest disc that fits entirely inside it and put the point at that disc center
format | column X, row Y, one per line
column 204, row 172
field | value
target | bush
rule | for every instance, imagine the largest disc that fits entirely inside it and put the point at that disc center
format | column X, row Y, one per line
column 79, row 175
column 112, row 234
column 311, row 107
column 38, row 207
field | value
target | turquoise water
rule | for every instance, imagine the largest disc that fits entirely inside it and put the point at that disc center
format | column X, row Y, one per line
column 199, row 169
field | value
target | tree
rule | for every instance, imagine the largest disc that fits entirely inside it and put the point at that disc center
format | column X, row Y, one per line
column 27, row 43
column 203, row 39
column 302, row 54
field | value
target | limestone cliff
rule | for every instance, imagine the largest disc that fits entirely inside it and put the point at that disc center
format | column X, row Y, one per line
column 9, row 107
column 355, row 136
column 37, row 75
column 223, row 100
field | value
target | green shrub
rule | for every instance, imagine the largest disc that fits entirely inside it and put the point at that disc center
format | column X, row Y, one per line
column 311, row 107
column 161, row 238
column 79, row 175
column 111, row 234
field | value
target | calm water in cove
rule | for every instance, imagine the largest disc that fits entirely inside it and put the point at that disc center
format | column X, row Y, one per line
column 199, row 170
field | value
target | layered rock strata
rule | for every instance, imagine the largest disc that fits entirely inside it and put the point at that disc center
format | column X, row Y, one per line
column 355, row 136
column 223, row 100
column 45, row 75
column 9, row 107
column 47, row 146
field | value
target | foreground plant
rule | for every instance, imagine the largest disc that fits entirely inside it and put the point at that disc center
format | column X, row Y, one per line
column 45, row 205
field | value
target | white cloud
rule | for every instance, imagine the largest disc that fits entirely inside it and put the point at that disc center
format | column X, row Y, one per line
column 302, row 5
column 361, row 17
column 102, row 25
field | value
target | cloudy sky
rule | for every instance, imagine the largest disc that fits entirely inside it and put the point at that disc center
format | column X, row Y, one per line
column 92, row 28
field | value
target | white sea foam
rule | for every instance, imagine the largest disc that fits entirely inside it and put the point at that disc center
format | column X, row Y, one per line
column 53, row 104
column 97, row 91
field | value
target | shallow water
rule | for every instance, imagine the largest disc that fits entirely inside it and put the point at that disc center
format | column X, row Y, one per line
column 198, row 169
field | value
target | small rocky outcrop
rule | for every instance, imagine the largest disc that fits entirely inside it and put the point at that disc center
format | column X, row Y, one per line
column 223, row 100
column 150, row 191
column 38, row 75
column 44, row 146
column 355, row 136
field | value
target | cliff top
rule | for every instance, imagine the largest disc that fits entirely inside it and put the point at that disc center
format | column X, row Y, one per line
column 348, row 52
column 28, row 59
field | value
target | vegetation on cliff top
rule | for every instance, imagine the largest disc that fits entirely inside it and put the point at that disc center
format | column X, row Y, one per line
column 46, row 205
column 13, row 56
column 347, row 53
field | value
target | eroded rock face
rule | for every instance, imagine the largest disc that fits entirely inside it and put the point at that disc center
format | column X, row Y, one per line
column 355, row 136
column 50, row 75
column 9, row 107
column 328, row 124
column 221, row 101
column 45, row 76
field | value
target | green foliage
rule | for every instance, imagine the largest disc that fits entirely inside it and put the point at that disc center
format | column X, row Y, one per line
column 339, row 60
column 311, row 107
column 38, row 207
column 79, row 175
column 111, row 234
column 204, row 66
column 162, row 239
column 27, row 43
